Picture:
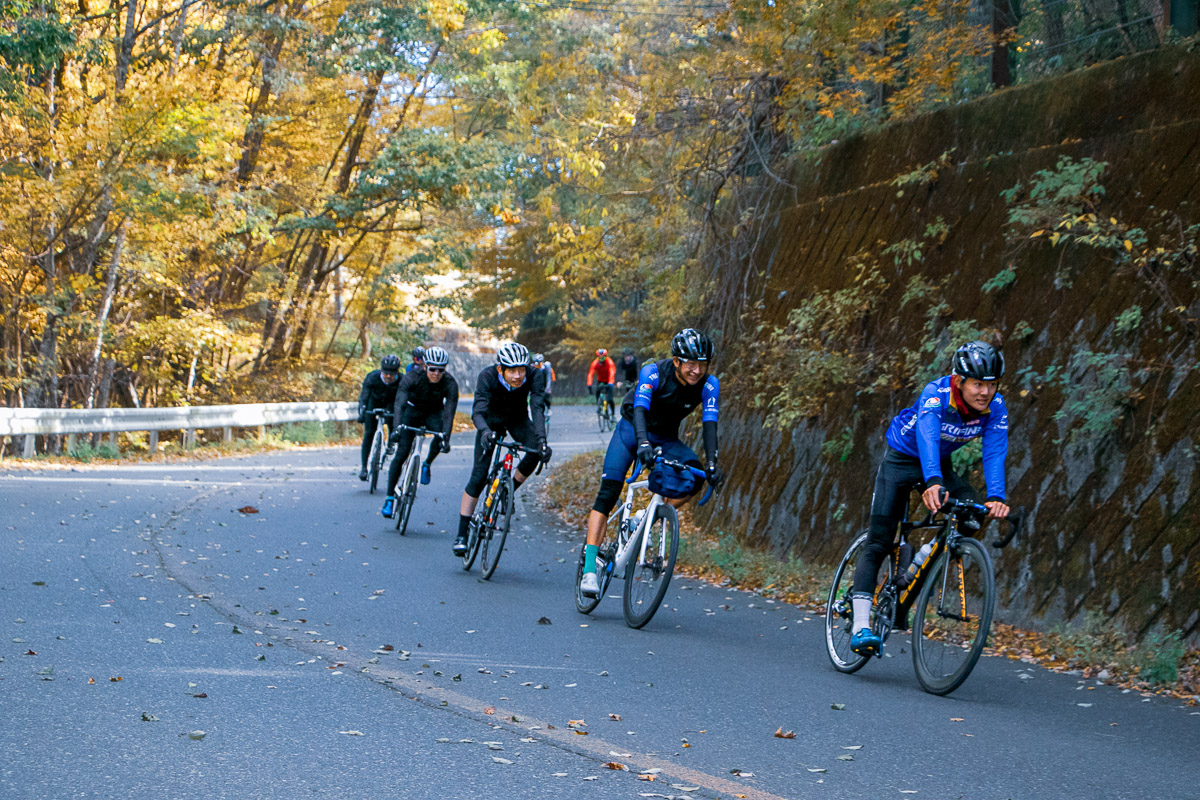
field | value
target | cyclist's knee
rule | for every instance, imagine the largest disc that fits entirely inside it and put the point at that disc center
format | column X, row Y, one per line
column 607, row 497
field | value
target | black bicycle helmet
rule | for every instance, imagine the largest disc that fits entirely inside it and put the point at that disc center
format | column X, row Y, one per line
column 390, row 363
column 692, row 345
column 436, row 357
column 418, row 353
column 513, row 355
column 628, row 351
column 978, row 360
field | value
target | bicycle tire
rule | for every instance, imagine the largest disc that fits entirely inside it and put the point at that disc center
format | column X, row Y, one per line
column 839, row 616
column 373, row 460
column 938, row 639
column 604, row 572
column 600, row 415
column 655, row 575
column 407, row 499
column 493, row 543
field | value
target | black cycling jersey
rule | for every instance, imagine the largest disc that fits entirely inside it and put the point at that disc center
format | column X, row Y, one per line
column 426, row 398
column 669, row 399
column 496, row 405
column 628, row 370
column 376, row 394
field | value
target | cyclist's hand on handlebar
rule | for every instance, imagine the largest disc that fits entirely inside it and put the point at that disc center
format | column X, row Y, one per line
column 544, row 453
column 445, row 447
column 645, row 454
column 493, row 437
column 714, row 475
column 394, row 437
column 933, row 497
column 996, row 509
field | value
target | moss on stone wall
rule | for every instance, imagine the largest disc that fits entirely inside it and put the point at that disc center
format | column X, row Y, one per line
column 1115, row 515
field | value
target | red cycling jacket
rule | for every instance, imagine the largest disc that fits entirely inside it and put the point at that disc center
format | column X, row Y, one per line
column 603, row 371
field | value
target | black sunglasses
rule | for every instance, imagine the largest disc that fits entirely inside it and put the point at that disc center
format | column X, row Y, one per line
column 435, row 369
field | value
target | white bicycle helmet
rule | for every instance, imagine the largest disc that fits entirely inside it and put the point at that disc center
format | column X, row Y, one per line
column 436, row 357
column 513, row 355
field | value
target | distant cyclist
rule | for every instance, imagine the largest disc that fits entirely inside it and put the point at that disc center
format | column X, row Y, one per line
column 603, row 371
column 378, row 391
column 538, row 362
column 950, row 412
column 418, row 359
column 627, row 369
column 504, row 399
column 666, row 392
column 426, row 399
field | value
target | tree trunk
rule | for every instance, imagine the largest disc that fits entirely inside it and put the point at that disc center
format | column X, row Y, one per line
column 1001, row 68
column 110, row 287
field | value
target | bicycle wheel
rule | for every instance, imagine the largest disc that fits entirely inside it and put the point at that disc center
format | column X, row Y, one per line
column 604, row 572
column 839, row 615
column 408, row 496
column 497, row 530
column 600, row 415
column 374, row 461
column 953, row 617
column 646, row 581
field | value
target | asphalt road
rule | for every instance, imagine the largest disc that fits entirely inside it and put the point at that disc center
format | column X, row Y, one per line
column 324, row 656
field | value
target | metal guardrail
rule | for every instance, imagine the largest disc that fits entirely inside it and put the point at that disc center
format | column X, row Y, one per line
column 31, row 422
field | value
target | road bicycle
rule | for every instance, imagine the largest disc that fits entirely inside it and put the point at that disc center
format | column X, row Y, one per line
column 489, row 525
column 380, row 449
column 952, row 591
column 643, row 550
column 604, row 408
column 406, row 486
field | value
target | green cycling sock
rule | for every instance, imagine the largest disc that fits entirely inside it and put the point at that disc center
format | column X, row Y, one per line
column 589, row 557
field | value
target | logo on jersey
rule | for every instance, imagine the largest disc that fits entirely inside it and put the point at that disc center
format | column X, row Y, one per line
column 645, row 387
column 933, row 402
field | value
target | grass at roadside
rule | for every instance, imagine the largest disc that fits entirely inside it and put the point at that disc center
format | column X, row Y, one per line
column 1093, row 649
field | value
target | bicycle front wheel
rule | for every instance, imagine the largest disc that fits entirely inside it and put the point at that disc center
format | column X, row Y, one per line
column 407, row 497
column 647, row 578
column 496, row 531
column 953, row 617
column 375, row 460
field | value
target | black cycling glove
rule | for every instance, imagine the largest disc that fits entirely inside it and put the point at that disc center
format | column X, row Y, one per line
column 645, row 454
column 714, row 475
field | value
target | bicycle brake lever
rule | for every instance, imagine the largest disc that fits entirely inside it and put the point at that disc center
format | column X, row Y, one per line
column 1016, row 519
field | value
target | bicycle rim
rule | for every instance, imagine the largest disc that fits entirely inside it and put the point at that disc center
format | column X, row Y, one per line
column 646, row 581
column 373, row 461
column 407, row 499
column 953, row 616
column 839, row 613
column 493, row 544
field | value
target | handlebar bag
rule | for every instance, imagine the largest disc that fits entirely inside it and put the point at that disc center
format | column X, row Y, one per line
column 672, row 482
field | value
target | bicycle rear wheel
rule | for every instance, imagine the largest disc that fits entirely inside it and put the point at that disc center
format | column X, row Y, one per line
column 407, row 497
column 374, row 461
column 953, row 617
column 604, row 573
column 497, row 530
column 646, row 581
column 839, row 615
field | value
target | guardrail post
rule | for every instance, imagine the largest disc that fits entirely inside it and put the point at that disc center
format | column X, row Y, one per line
column 227, row 434
column 30, row 444
column 189, row 438
column 262, row 433
column 70, row 443
column 153, row 442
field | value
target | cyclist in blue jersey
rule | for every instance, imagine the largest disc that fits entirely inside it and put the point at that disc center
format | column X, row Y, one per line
column 666, row 392
column 418, row 359
column 950, row 412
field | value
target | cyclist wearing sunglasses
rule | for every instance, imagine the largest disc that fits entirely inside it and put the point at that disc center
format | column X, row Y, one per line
column 426, row 398
column 651, row 413
column 378, row 391
column 505, row 396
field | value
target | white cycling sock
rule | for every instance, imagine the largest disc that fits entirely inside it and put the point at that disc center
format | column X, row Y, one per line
column 861, row 605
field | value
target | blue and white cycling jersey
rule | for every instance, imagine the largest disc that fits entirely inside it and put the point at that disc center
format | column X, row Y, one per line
column 936, row 426
column 667, row 400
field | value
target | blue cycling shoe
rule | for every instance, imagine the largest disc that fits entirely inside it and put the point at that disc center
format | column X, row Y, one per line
column 866, row 642
column 389, row 507
column 425, row 474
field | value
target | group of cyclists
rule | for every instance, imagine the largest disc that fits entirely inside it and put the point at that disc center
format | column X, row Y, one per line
column 512, row 395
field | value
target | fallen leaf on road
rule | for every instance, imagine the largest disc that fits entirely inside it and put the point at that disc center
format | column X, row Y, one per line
column 443, row 740
column 116, row 679
column 845, row 757
column 741, row 773
column 620, row 755
column 197, row 735
column 91, row 681
column 782, row 734
column 153, row 640
column 499, row 760
column 351, row 733
column 148, row 717
column 615, row 765
column 956, row 719
column 544, row 621
column 386, row 647
column 1084, row 705
column 647, row 777
column 248, row 510
column 615, row 717
column 817, row 769
column 853, row 747
column 31, row 653
column 592, row 778
column 683, row 788
column 838, row 706
column 581, row 733
column 558, row 774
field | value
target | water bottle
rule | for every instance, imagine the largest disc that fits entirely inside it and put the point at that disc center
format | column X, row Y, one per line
column 919, row 560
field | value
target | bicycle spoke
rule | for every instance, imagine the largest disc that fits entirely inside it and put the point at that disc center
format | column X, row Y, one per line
column 953, row 616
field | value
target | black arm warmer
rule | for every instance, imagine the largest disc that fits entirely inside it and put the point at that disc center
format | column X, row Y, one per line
column 639, row 424
column 710, row 440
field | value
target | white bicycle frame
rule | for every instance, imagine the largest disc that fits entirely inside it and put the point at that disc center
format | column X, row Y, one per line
column 624, row 550
column 413, row 460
